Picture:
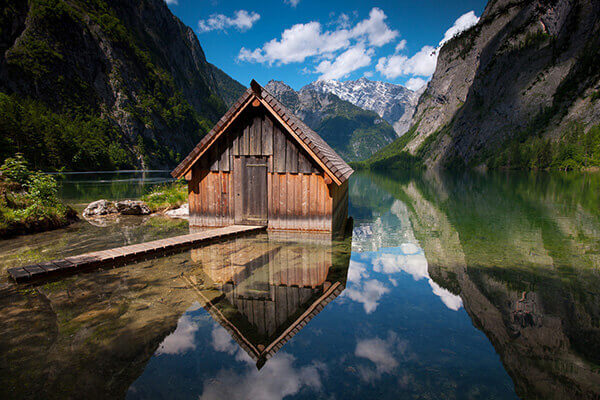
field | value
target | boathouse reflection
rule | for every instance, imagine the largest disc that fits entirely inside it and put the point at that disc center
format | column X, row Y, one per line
column 264, row 291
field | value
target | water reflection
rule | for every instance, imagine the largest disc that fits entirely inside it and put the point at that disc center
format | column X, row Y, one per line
column 479, row 286
column 522, row 252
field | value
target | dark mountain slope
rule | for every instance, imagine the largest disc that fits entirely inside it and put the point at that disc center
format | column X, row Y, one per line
column 520, row 89
column 104, row 84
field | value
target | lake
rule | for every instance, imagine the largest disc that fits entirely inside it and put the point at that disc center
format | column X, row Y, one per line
column 447, row 286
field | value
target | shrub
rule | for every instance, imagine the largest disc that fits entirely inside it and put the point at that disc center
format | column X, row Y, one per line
column 43, row 188
column 15, row 169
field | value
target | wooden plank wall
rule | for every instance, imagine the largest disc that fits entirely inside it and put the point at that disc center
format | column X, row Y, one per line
column 298, row 198
column 340, row 207
column 211, row 198
column 299, row 202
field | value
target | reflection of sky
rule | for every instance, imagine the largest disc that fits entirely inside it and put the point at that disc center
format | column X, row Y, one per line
column 388, row 245
column 392, row 333
column 371, row 278
column 388, row 335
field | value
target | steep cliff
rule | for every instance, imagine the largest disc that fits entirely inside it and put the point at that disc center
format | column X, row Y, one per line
column 353, row 132
column 520, row 89
column 99, row 84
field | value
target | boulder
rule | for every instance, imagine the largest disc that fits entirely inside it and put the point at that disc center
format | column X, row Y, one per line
column 100, row 207
column 181, row 212
column 132, row 207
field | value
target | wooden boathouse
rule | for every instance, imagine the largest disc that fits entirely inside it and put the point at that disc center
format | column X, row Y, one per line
column 261, row 165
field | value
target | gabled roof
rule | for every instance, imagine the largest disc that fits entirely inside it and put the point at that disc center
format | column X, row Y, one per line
column 314, row 144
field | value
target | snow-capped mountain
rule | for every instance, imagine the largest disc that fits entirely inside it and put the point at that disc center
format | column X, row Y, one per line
column 394, row 103
column 355, row 133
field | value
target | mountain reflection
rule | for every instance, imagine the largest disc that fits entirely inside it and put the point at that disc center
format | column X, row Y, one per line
column 522, row 251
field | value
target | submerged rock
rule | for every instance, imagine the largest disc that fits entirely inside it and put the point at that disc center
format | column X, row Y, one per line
column 181, row 212
column 133, row 207
column 100, row 207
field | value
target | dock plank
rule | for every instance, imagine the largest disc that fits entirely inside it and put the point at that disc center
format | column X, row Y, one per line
column 125, row 253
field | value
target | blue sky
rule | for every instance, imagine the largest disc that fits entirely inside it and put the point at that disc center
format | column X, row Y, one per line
column 300, row 41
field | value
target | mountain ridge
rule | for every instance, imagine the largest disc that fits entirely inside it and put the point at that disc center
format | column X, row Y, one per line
column 394, row 103
column 104, row 85
column 351, row 131
column 517, row 90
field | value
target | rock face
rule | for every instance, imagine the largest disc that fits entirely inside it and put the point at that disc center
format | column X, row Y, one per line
column 394, row 103
column 132, row 67
column 351, row 131
column 132, row 207
column 527, row 69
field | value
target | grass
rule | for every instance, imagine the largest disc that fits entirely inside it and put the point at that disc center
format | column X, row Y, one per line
column 167, row 197
column 29, row 200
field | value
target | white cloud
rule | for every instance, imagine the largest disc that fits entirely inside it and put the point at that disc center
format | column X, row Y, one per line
column 375, row 28
column 368, row 74
column 182, row 339
column 401, row 45
column 383, row 353
column 221, row 340
column 302, row 41
column 421, row 64
column 278, row 379
column 449, row 299
column 356, row 272
column 175, row 2
column 413, row 262
column 242, row 21
column 352, row 59
column 463, row 23
column 292, row 3
column 424, row 61
column 415, row 83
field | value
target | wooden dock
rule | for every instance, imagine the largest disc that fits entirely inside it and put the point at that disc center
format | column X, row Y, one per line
column 126, row 254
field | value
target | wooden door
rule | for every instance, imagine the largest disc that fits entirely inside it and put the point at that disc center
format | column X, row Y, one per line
column 251, row 207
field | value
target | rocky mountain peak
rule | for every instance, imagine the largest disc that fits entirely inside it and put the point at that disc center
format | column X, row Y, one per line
column 394, row 103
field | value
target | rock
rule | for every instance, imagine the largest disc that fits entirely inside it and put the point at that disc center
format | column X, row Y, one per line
column 181, row 212
column 100, row 207
column 132, row 207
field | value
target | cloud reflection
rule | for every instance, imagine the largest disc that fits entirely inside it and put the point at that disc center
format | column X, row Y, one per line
column 384, row 355
column 409, row 258
column 182, row 339
column 279, row 377
column 368, row 292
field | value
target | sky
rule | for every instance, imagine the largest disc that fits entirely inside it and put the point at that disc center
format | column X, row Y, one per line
column 301, row 41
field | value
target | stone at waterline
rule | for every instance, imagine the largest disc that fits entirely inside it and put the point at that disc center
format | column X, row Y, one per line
column 100, row 207
column 132, row 207
column 105, row 208
column 181, row 212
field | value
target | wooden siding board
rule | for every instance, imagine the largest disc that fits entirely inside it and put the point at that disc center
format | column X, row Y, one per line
column 291, row 156
column 267, row 136
column 279, row 145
